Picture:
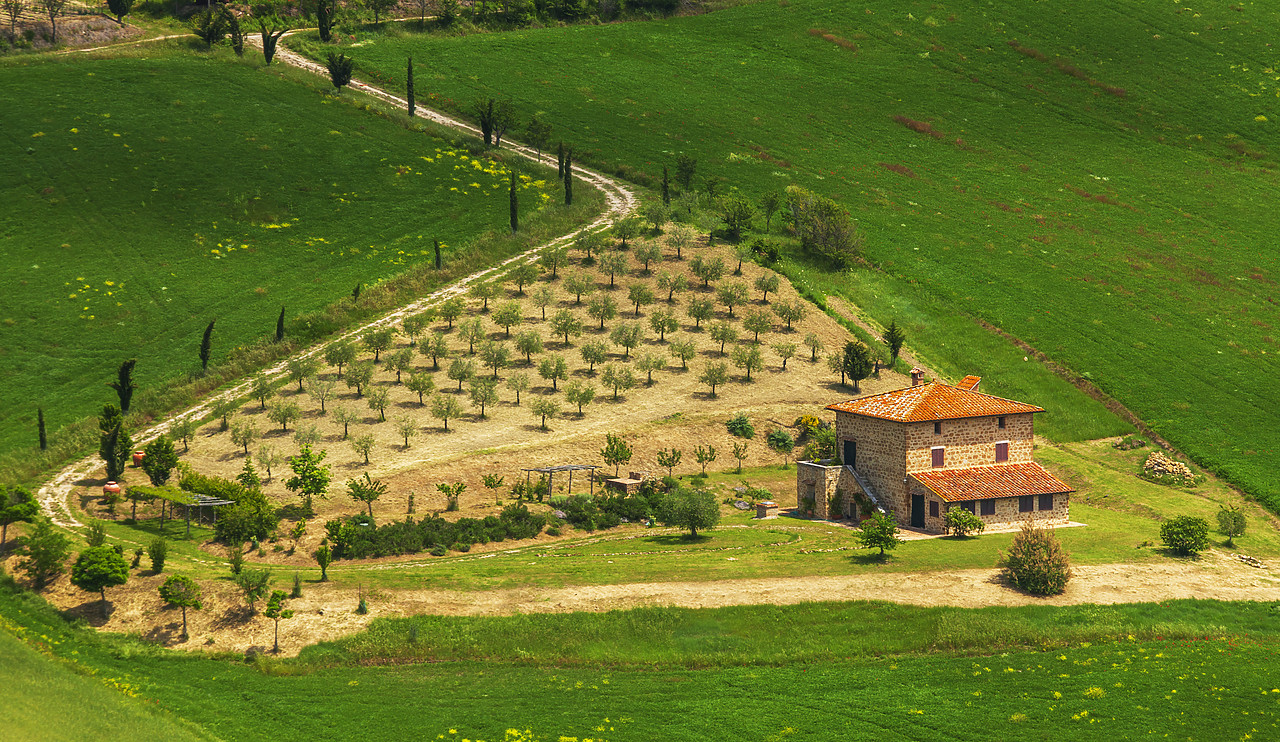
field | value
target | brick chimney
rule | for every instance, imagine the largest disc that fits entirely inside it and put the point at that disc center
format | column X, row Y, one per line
column 917, row 376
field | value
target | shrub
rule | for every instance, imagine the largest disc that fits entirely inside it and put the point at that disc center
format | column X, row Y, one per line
column 961, row 522
column 740, row 426
column 157, row 550
column 439, row 551
column 553, row 531
column 807, row 425
column 1036, row 562
column 1185, row 534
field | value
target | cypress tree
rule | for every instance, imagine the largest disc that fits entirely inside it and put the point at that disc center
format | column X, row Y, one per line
column 355, row 293
column 206, row 347
column 666, row 187
column 410, row 94
column 123, row 384
column 568, row 177
column 44, row 439
column 438, row 261
column 514, row 204
column 280, row 325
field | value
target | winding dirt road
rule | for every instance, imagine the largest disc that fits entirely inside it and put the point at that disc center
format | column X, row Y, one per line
column 620, row 199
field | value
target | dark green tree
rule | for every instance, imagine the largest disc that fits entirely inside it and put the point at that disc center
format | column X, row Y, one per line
column 515, row 205
column 182, row 592
column 616, row 451
column 686, row 167
column 280, row 325
column 120, row 9
column 17, row 505
column 114, row 444
column 1231, row 523
column 666, row 187
column 272, row 24
column 690, row 508
column 310, row 476
column 537, row 133
column 43, row 551
column 326, row 14
column 206, row 347
column 409, row 94
column 44, row 436
column 234, row 30
column 276, row 611
column 366, row 490
column 98, row 568
column 894, row 337
column 123, row 384
column 209, row 27
column 568, row 177
column 857, row 363
column 1187, row 535
column 880, row 531
column 159, row 460
column 324, row 557
column 340, row 67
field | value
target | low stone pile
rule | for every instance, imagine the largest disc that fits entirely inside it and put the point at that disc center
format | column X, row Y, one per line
column 1161, row 468
column 1251, row 561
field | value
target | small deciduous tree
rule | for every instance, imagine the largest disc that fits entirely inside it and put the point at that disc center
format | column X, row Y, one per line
column 406, row 428
column 757, row 322
column 565, row 323
column 243, row 434
column 529, row 343
column 400, row 361
column 253, row 584
column 553, row 368
column 495, row 356
column 672, row 283
column 451, row 309
column 461, row 371
column 1231, row 523
column 483, row 393
column 627, row 335
column 612, row 263
column 445, row 408
column 785, row 351
column 714, row 375
column 363, row 445
column 684, row 349
column 736, row 212
column 492, row 482
column 618, row 378
column 580, row 393
column 346, row 417
column 451, row 494
column 324, row 558
column 366, row 489
column 518, row 383
column 602, row 308
column 579, row 284
column 339, row 354
column 437, row 347
column 320, row 390
column 732, row 294
column 421, row 384
column 648, row 363
column 543, row 408
column 310, row 476
column 616, row 451
column 724, row 333
column 268, row 457
column 704, row 455
column 815, row 345
column 707, row 269
column 640, row 295
column 748, row 358
column 484, row 292
column 646, row 253
column 781, row 442
column 537, row 133
column 625, row 226
column 378, row 340
column 276, row 611
column 680, row 237
column 182, row 592
column 789, row 311
column 670, row 459
column 379, row 399
column 158, row 460
column 880, row 531
column 262, row 390
column 700, row 310
column 694, row 509
column 740, row 453
column 508, row 315
column 282, row 412
column 98, row 568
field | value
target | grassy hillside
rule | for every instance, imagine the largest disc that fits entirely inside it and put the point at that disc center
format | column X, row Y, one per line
column 144, row 197
column 1209, row 688
column 1090, row 177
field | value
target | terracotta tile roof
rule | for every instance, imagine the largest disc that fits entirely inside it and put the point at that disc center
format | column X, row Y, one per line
column 969, row 383
column 986, row 482
column 932, row 401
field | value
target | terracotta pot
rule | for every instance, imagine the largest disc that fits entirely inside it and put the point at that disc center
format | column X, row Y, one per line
column 138, row 456
column 111, row 488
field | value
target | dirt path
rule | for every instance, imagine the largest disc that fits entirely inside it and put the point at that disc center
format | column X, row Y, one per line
column 328, row 612
column 620, row 199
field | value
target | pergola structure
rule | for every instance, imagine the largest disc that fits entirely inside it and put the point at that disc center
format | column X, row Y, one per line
column 551, row 471
column 189, row 500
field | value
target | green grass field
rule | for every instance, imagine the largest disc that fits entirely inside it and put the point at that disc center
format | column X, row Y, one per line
column 1218, row 685
column 145, row 196
column 1094, row 189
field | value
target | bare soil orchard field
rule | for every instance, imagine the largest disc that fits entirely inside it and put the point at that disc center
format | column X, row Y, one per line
column 676, row 410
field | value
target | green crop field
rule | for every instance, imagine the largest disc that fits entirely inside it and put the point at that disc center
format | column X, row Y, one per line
column 1090, row 177
column 1202, row 682
column 143, row 197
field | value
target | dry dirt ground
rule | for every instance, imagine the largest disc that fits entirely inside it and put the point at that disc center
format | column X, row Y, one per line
column 325, row 612
column 676, row 411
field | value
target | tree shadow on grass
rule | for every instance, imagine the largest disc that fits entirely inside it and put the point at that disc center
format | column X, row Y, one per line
column 678, row 539
column 871, row 558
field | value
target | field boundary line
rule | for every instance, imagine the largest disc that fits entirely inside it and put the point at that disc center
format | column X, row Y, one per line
column 620, row 199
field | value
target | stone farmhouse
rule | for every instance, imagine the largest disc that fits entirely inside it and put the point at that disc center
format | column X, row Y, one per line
column 920, row 451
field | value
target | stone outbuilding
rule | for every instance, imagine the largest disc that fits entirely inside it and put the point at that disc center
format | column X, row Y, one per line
column 920, row 451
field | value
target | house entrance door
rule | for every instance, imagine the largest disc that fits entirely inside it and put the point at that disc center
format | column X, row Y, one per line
column 851, row 454
column 917, row 511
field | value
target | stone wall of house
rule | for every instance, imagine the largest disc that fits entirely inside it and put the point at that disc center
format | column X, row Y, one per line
column 969, row 442
column 1007, row 515
column 817, row 480
column 932, row 523
column 881, row 445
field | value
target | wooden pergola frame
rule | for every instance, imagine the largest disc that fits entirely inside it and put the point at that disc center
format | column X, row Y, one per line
column 551, row 471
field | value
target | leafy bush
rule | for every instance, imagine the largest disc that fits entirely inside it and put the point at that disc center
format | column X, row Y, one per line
column 158, row 550
column 553, row 531
column 807, row 425
column 358, row 538
column 1185, row 534
column 740, row 426
column 821, row 445
column 961, row 522
column 1036, row 562
column 253, row 517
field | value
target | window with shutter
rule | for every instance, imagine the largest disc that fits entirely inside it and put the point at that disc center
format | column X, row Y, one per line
column 988, row 507
column 938, row 457
column 1026, row 504
column 1002, row 451
column 1046, row 502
